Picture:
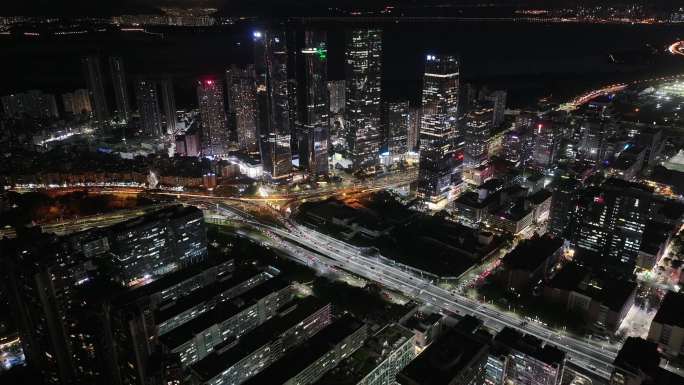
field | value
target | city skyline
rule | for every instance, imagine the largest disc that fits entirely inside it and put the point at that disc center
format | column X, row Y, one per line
column 367, row 194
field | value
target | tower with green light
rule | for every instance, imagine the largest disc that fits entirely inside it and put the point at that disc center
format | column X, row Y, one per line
column 314, row 130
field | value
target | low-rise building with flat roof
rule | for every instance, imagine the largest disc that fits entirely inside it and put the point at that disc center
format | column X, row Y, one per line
column 654, row 241
column 176, row 313
column 638, row 363
column 531, row 261
column 236, row 362
column 311, row 360
column 602, row 301
column 376, row 363
column 530, row 361
column 457, row 357
column 667, row 328
column 228, row 320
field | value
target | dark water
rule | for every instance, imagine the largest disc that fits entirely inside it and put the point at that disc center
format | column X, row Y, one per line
column 529, row 60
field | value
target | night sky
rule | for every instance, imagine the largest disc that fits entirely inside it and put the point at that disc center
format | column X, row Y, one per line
column 275, row 7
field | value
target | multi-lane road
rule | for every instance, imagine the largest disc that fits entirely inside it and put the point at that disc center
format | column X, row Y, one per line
column 326, row 253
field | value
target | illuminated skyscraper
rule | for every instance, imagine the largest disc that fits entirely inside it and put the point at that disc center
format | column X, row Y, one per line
column 546, row 142
column 611, row 222
column 437, row 171
column 337, row 92
column 314, row 133
column 242, row 103
column 92, row 70
column 563, row 205
column 213, row 114
column 439, row 99
column 476, row 133
column 362, row 107
column 396, row 133
column 148, row 107
column 273, row 117
column 498, row 99
column 169, row 104
column 414, row 128
column 116, row 68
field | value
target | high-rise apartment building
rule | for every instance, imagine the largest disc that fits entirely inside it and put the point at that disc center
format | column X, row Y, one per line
column 33, row 103
column 148, row 107
column 121, row 98
column 267, row 343
column 457, row 357
column 92, row 70
column 152, row 245
column 229, row 320
column 77, row 102
column 213, row 114
column 273, row 111
column 563, row 202
column 168, row 98
column 48, row 274
column 363, row 64
column 242, row 103
column 476, row 132
column 314, row 128
column 518, row 145
column 387, row 352
column 591, row 141
column 308, row 362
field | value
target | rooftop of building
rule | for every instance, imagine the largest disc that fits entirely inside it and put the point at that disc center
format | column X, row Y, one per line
column 670, row 311
column 302, row 356
column 540, row 196
column 422, row 321
column 290, row 315
column 514, row 211
column 446, row 248
column 655, row 235
column 492, row 185
column 673, row 177
column 201, row 295
column 530, row 346
column 221, row 312
column 616, row 184
column 445, row 359
column 638, row 354
column 665, row 377
column 627, row 158
column 531, row 253
column 612, row 293
column 472, row 199
column 469, row 324
column 170, row 280
column 171, row 212
column 566, row 185
column 376, row 349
